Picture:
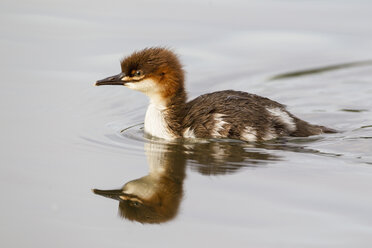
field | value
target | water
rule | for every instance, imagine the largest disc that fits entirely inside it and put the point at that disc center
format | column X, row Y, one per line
column 62, row 136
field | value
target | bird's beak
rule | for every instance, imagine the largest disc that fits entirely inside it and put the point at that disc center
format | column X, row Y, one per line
column 113, row 194
column 113, row 80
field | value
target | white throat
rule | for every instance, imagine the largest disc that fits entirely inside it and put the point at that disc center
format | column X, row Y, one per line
column 155, row 123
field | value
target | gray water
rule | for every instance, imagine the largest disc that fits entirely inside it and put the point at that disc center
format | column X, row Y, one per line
column 61, row 136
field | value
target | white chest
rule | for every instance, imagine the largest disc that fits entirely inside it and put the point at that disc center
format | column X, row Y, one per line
column 155, row 123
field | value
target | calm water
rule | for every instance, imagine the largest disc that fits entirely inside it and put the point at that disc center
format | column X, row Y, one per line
column 62, row 137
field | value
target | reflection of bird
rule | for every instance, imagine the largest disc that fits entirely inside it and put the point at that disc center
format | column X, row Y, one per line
column 156, row 197
column 224, row 114
column 219, row 158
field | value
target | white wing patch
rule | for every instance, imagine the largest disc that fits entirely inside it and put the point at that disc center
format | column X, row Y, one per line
column 283, row 117
column 249, row 134
column 189, row 133
column 271, row 134
column 219, row 126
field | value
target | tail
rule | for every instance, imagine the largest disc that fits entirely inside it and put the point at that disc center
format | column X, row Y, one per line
column 305, row 129
column 327, row 129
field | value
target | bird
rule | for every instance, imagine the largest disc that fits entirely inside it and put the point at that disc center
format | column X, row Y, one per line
column 158, row 73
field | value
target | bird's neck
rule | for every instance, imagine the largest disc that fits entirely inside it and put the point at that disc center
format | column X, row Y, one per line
column 164, row 115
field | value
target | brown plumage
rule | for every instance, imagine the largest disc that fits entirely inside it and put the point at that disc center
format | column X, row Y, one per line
column 158, row 73
column 160, row 64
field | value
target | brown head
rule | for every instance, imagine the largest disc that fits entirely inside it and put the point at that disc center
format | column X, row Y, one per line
column 154, row 71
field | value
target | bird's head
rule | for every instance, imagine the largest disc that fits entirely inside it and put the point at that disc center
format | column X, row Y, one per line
column 154, row 71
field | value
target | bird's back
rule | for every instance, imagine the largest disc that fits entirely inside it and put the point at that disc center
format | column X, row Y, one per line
column 240, row 115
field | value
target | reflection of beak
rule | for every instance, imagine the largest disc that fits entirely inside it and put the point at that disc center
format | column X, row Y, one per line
column 113, row 80
column 113, row 194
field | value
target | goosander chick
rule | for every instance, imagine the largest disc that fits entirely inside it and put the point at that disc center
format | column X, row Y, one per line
column 158, row 73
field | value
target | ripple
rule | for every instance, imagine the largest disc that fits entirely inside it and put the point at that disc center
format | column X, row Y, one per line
column 135, row 132
column 317, row 70
column 354, row 110
column 224, row 156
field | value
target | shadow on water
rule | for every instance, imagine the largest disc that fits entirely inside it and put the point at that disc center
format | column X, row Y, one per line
column 156, row 197
column 317, row 70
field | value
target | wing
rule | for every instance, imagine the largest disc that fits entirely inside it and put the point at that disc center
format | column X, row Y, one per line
column 228, row 114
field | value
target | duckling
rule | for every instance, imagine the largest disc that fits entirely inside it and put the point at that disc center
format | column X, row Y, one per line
column 157, row 72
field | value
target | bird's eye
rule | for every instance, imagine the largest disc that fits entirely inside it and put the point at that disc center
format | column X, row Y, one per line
column 135, row 204
column 138, row 73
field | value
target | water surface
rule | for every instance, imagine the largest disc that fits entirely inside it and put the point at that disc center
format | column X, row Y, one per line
column 61, row 136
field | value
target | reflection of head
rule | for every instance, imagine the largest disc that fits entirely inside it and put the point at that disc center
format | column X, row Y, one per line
column 154, row 198
column 160, row 203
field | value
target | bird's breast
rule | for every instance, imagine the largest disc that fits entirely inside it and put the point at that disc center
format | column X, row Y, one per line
column 155, row 123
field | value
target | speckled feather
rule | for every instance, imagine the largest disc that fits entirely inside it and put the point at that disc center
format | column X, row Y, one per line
column 240, row 109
